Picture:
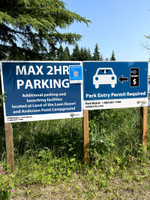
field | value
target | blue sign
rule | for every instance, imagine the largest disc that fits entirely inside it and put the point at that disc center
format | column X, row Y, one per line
column 115, row 84
column 40, row 91
column 76, row 74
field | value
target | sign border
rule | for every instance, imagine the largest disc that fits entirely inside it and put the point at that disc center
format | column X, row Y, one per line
column 142, row 99
column 50, row 116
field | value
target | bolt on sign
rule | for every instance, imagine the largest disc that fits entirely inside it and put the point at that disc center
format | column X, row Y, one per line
column 115, row 85
column 40, row 91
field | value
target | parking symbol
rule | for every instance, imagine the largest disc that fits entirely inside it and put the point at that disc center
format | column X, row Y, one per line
column 104, row 76
column 134, row 77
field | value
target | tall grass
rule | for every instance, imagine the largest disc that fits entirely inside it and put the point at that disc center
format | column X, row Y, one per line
column 51, row 152
column 114, row 134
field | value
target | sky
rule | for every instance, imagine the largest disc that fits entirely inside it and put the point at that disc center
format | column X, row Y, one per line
column 119, row 25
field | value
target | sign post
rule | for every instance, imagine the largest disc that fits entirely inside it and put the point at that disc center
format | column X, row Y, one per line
column 9, row 146
column 86, row 136
column 144, row 117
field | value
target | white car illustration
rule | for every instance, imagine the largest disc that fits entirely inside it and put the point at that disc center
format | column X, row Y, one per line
column 104, row 76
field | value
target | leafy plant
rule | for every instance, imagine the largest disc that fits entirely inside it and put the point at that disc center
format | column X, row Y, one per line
column 6, row 185
column 2, row 99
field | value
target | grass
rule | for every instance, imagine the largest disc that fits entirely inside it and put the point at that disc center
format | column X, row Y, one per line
column 49, row 158
column 92, row 183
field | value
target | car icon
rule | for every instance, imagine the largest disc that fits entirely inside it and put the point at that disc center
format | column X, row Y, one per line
column 104, row 76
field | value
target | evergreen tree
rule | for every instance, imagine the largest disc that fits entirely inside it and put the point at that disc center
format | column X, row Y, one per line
column 67, row 54
column 85, row 54
column 60, row 53
column 29, row 28
column 76, row 53
column 96, row 54
column 113, row 58
column 89, row 57
column 52, row 54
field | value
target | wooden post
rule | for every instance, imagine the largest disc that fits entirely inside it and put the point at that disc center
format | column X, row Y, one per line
column 9, row 146
column 144, row 116
column 86, row 136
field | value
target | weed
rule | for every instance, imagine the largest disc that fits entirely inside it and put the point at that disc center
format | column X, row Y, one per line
column 6, row 184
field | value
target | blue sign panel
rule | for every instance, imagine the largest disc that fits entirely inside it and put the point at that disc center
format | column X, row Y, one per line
column 115, row 84
column 76, row 74
column 40, row 91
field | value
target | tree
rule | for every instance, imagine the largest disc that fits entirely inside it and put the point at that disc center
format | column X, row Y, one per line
column 96, row 54
column 60, row 53
column 89, row 57
column 67, row 54
column 113, row 58
column 29, row 28
column 85, row 54
column 76, row 53
column 82, row 54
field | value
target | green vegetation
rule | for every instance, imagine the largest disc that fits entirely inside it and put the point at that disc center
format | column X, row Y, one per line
column 81, row 54
column 49, row 159
column 113, row 58
column 96, row 54
column 30, row 28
